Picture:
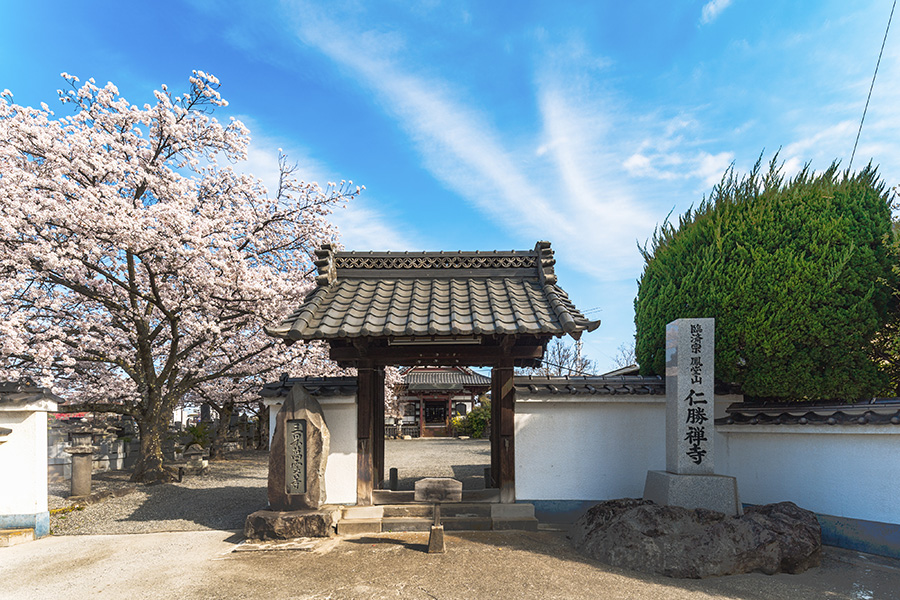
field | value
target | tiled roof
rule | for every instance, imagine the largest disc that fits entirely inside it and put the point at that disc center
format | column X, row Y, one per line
column 422, row 379
column 416, row 294
column 604, row 385
column 881, row 411
column 316, row 386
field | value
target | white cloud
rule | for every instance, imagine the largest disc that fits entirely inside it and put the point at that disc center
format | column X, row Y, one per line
column 712, row 10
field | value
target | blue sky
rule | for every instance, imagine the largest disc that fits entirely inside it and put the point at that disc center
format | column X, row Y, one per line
column 490, row 125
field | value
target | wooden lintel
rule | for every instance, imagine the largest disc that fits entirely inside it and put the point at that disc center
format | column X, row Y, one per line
column 443, row 355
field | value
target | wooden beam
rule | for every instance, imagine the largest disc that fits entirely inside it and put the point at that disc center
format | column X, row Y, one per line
column 365, row 404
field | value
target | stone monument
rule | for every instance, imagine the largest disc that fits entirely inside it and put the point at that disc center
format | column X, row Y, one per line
column 298, row 454
column 689, row 479
column 297, row 460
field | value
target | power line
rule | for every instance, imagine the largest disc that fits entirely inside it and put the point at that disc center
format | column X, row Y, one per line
column 883, row 42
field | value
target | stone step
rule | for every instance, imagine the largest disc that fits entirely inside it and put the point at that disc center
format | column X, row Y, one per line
column 427, row 510
column 392, row 511
column 389, row 497
column 406, row 524
column 11, row 537
column 362, row 512
column 358, row 526
column 424, row 524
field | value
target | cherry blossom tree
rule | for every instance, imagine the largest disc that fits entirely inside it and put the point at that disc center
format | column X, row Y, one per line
column 137, row 267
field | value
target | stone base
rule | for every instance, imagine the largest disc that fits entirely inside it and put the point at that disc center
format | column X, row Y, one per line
column 286, row 525
column 712, row 492
column 39, row 522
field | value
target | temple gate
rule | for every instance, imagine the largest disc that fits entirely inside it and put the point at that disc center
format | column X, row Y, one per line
column 490, row 309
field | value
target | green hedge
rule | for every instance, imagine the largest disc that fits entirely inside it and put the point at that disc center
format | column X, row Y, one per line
column 798, row 275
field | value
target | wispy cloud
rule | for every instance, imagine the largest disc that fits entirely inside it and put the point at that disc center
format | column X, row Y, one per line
column 712, row 10
column 565, row 189
column 360, row 223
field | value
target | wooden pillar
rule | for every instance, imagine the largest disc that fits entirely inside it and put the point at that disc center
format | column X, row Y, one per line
column 421, row 416
column 506, row 430
column 378, row 431
column 495, row 427
column 365, row 408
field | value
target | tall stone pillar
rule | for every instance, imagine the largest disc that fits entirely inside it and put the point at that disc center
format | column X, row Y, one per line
column 689, row 478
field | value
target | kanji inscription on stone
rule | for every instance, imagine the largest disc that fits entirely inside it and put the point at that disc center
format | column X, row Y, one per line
column 690, row 395
column 295, row 456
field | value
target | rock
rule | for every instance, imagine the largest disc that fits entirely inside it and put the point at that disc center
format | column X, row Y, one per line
column 299, row 407
column 286, row 525
column 696, row 543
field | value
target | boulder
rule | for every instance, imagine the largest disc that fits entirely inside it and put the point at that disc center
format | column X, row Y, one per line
column 696, row 543
column 287, row 525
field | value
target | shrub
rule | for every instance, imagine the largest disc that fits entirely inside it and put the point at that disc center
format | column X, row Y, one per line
column 798, row 276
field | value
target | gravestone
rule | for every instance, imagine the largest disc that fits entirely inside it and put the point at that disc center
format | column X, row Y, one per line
column 299, row 454
column 689, row 479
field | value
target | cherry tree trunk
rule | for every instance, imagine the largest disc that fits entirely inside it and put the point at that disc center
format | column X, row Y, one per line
column 149, row 467
column 217, row 448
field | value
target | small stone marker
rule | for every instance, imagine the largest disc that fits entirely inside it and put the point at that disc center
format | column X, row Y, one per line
column 689, row 480
column 436, row 539
column 438, row 489
column 299, row 453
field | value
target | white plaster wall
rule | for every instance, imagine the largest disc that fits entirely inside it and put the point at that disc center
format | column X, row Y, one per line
column 588, row 447
column 845, row 471
column 23, row 462
column 340, row 471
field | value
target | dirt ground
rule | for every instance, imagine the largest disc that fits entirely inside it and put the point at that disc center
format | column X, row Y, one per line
column 183, row 541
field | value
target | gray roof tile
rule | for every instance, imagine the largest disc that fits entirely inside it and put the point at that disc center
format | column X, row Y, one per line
column 389, row 294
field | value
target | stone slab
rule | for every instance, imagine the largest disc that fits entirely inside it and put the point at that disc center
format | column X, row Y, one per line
column 406, row 524
column 285, row 525
column 11, row 537
column 300, row 544
column 358, row 526
column 712, row 492
column 362, row 512
column 438, row 489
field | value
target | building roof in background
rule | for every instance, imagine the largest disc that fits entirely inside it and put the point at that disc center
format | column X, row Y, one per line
column 444, row 378
column 592, row 385
column 434, row 294
column 316, row 386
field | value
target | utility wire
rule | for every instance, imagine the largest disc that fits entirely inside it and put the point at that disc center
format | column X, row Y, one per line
column 859, row 131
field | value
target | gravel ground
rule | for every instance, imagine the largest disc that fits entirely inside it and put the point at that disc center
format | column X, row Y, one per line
column 220, row 500
column 464, row 460
column 234, row 488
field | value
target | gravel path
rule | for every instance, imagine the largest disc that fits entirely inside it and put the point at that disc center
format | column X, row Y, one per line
column 234, row 488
